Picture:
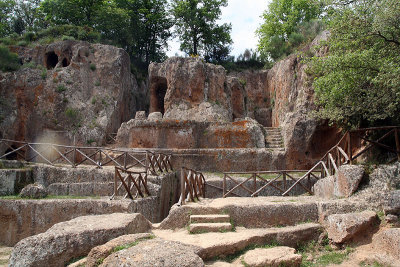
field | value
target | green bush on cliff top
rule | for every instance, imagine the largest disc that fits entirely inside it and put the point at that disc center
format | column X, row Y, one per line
column 8, row 60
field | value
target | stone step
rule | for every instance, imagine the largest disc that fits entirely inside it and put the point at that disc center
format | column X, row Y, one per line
column 278, row 139
column 209, row 227
column 269, row 145
column 222, row 244
column 211, row 218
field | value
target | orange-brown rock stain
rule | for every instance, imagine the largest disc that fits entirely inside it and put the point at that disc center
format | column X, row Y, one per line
column 227, row 138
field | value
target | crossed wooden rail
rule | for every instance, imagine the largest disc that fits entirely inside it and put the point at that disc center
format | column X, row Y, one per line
column 74, row 156
column 133, row 182
column 193, row 186
column 256, row 188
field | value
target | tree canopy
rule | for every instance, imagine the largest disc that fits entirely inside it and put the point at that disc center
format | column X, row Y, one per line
column 288, row 23
column 358, row 83
column 197, row 28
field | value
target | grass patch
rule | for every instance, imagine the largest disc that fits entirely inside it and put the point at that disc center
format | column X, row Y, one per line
column 17, row 197
column 322, row 255
column 129, row 245
column 3, row 262
column 366, row 263
column 61, row 88
column 232, row 257
column 75, row 260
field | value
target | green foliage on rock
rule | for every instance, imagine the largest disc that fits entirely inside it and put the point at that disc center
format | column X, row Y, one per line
column 288, row 24
column 8, row 60
column 197, row 28
column 358, row 83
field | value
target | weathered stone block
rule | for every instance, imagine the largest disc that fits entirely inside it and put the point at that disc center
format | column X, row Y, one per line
column 392, row 203
column 155, row 116
column 155, row 252
column 343, row 227
column 273, row 257
column 343, row 184
column 34, row 191
column 140, row 115
column 68, row 240
column 13, row 180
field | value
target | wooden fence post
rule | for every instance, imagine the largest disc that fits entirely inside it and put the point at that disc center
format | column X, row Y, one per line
column 115, row 183
column 183, row 190
column 350, row 154
column 396, row 135
column 284, row 181
column 224, row 186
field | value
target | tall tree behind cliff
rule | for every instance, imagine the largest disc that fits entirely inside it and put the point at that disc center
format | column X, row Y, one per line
column 288, row 23
column 197, row 28
column 358, row 82
column 6, row 8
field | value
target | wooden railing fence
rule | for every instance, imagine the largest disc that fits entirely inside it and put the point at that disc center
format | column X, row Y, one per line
column 159, row 163
column 254, row 188
column 193, row 186
column 135, row 183
column 153, row 163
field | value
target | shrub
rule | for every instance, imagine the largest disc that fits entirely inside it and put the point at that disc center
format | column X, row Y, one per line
column 66, row 37
column 61, row 88
column 22, row 43
column 72, row 114
column 44, row 74
column 29, row 36
column 93, row 67
column 8, row 60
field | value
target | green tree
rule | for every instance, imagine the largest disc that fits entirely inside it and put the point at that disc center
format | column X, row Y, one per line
column 197, row 28
column 285, row 23
column 6, row 10
column 76, row 12
column 358, row 83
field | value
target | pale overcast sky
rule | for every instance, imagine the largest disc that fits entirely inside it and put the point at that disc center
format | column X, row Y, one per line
column 245, row 16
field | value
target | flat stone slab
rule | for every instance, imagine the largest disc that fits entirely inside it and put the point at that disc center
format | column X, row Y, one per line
column 211, row 218
column 343, row 227
column 155, row 253
column 272, row 257
column 209, row 227
column 75, row 238
column 212, row 245
column 103, row 251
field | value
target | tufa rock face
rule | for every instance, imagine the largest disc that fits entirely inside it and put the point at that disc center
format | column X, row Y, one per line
column 68, row 240
column 34, row 191
column 76, row 87
column 343, row 227
column 179, row 86
column 189, row 89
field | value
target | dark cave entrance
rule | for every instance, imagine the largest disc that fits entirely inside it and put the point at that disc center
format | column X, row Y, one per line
column 158, row 95
column 65, row 62
column 51, row 60
column 12, row 156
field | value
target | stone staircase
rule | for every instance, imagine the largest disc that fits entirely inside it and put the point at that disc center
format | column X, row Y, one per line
column 210, row 223
column 274, row 139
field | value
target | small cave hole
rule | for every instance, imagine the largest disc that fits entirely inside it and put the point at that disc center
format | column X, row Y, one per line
column 51, row 60
column 65, row 62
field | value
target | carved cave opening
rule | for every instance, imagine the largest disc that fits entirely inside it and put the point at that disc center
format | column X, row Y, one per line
column 65, row 62
column 158, row 94
column 51, row 60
